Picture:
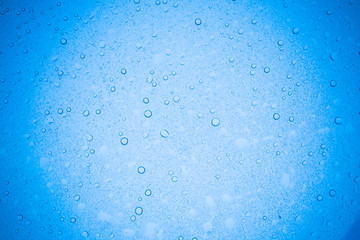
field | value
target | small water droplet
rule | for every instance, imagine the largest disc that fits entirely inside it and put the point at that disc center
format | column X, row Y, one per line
column 198, row 21
column 164, row 133
column 138, row 210
column 215, row 122
column 63, row 41
column 124, row 141
column 141, row 170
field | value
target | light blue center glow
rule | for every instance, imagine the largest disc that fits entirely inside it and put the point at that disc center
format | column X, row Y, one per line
column 180, row 119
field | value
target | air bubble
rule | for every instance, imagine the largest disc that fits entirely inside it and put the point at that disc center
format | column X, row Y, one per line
column 72, row 220
column 266, row 70
column 123, row 71
column 174, row 179
column 280, row 43
column 145, row 100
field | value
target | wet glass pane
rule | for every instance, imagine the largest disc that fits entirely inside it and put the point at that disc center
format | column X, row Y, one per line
column 179, row 119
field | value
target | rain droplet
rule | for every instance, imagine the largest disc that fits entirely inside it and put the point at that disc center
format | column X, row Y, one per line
column 138, row 211
column 295, row 30
column 141, row 170
column 124, row 141
column 198, row 21
column 276, row 116
column 215, row 122
column 338, row 120
column 319, row 197
column 20, row 217
column 332, row 193
column 333, row 83
column 164, row 133
column 86, row 113
column 63, row 41
column 148, row 192
column 147, row 113
column 145, row 100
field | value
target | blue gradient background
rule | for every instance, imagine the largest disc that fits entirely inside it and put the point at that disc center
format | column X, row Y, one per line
column 67, row 174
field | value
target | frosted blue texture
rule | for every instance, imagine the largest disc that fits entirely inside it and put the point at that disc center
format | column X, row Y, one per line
column 180, row 119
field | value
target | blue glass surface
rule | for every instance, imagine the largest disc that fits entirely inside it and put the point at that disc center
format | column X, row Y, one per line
column 180, row 119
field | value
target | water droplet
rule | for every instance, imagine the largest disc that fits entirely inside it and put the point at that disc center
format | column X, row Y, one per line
column 86, row 113
column 85, row 234
column 291, row 118
column 164, row 133
column 176, row 99
column 338, row 120
column 266, row 70
column 76, row 197
column 148, row 192
column 276, row 116
column 123, row 71
column 198, row 21
column 147, row 113
column 124, row 141
column 295, row 30
column 357, row 179
column 20, row 217
column 174, row 179
column 138, row 211
column 89, row 138
column 113, row 89
column 332, row 193
column 141, row 170
column 319, row 197
column 133, row 218
column 72, row 220
column 63, row 41
column 215, row 122
column 280, row 43
column 145, row 100
column 333, row 83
